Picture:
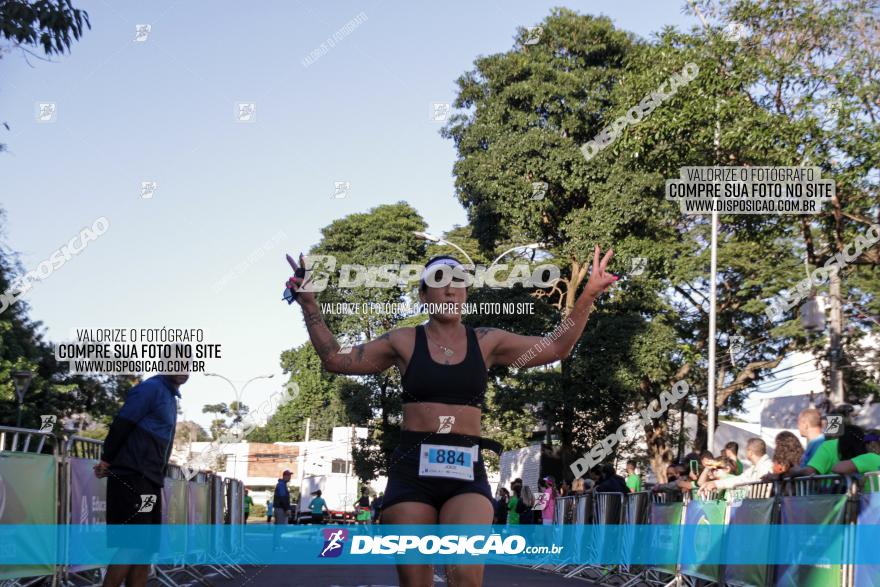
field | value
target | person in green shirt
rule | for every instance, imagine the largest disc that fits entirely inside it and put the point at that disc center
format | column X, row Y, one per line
column 317, row 507
column 863, row 463
column 633, row 480
column 512, row 503
column 248, row 502
column 731, row 451
column 850, row 444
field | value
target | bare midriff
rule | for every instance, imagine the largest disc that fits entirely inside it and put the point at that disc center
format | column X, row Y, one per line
column 426, row 417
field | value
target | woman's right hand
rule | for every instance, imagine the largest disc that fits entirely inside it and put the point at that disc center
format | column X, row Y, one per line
column 306, row 299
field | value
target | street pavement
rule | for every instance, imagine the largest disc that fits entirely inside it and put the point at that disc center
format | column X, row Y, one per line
column 382, row 576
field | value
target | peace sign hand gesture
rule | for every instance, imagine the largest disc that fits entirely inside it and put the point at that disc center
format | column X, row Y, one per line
column 294, row 285
column 599, row 279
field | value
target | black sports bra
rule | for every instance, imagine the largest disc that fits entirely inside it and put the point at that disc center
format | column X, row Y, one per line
column 463, row 383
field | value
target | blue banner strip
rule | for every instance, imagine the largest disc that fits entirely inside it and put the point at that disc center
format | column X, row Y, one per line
column 698, row 544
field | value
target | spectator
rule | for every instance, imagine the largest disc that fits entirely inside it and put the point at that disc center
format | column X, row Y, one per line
column 674, row 475
column 787, row 453
column 810, row 427
column 527, row 502
column 269, row 508
column 595, row 477
column 281, row 499
column 633, row 481
column 248, row 502
column 611, row 482
column 706, row 457
column 565, row 489
column 317, row 507
column 719, row 468
column 731, row 451
column 830, row 452
column 377, row 507
column 134, row 460
column 362, row 506
column 547, row 484
column 512, row 505
column 578, row 487
column 756, row 453
column 501, row 504
column 863, row 463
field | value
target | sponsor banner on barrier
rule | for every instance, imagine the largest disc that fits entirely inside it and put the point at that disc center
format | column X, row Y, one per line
column 27, row 496
column 88, row 494
column 668, row 517
column 749, row 512
column 88, row 497
column 707, row 546
column 824, row 570
column 451, row 544
column 869, row 513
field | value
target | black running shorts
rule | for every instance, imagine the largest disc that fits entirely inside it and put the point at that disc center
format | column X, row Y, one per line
column 405, row 484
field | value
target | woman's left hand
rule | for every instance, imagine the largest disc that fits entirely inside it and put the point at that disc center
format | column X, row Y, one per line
column 599, row 279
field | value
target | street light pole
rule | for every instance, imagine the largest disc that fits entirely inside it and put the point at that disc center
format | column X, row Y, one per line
column 529, row 246
column 436, row 239
column 238, row 395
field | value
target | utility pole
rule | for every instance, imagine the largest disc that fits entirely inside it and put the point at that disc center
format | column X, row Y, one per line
column 348, row 466
column 835, row 379
column 302, row 464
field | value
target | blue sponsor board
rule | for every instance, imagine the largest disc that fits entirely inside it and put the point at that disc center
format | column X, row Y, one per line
column 450, row 544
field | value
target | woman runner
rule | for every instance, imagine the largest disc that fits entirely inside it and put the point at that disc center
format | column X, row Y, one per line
column 444, row 374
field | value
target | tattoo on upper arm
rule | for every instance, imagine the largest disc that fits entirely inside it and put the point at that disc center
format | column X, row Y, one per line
column 483, row 331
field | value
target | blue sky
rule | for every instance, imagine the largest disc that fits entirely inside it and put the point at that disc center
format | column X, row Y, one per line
column 163, row 110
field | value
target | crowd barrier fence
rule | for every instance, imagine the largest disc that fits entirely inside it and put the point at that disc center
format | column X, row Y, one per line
column 819, row 500
column 49, row 479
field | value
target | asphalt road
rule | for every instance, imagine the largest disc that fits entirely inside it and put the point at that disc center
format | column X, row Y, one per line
column 382, row 576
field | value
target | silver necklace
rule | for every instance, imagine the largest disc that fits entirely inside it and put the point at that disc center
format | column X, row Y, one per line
column 446, row 350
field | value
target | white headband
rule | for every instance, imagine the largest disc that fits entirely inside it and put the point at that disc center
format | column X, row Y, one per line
column 450, row 262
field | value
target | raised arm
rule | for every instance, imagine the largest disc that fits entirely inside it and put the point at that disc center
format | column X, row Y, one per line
column 507, row 348
column 370, row 357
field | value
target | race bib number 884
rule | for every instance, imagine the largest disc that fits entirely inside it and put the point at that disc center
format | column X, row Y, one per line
column 453, row 462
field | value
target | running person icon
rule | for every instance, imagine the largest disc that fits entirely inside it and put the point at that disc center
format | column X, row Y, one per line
column 438, row 476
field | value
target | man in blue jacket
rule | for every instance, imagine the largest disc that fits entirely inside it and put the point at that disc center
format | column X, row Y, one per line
column 134, row 460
